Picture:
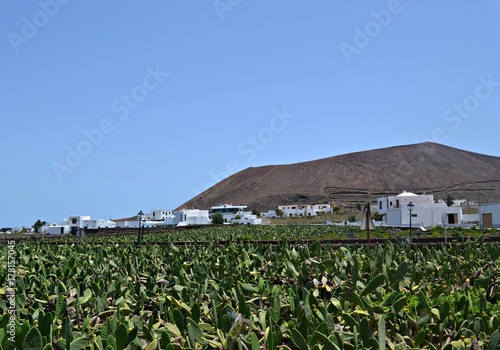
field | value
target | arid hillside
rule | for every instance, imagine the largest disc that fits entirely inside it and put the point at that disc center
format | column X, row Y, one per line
column 358, row 177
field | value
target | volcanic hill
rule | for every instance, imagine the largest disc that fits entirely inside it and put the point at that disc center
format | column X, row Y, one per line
column 360, row 177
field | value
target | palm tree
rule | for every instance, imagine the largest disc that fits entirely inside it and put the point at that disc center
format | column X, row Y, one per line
column 450, row 200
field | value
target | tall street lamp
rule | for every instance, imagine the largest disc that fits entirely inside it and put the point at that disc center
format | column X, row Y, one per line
column 140, row 214
column 410, row 207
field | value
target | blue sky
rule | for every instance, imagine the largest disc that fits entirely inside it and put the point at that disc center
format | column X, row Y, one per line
column 113, row 107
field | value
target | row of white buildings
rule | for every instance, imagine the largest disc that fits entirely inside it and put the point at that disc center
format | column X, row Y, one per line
column 75, row 222
column 297, row 210
column 426, row 212
column 232, row 214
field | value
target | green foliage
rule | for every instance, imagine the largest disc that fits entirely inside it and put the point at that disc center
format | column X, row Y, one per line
column 377, row 216
column 109, row 294
column 450, row 200
column 38, row 224
column 217, row 219
column 256, row 212
column 33, row 340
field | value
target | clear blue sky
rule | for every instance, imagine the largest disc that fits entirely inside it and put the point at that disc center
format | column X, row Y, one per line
column 111, row 107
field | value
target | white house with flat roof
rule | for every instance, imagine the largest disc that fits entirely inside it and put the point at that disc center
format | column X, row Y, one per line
column 228, row 209
column 94, row 224
column 291, row 210
column 425, row 213
column 244, row 218
column 77, row 221
column 158, row 215
column 86, row 222
column 323, row 208
column 489, row 215
column 186, row 217
column 56, row 229
column 135, row 223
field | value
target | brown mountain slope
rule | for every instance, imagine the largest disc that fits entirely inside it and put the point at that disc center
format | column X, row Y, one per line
column 361, row 176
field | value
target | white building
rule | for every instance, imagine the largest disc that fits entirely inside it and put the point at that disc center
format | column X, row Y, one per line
column 185, row 217
column 158, row 215
column 76, row 221
column 84, row 221
column 300, row 210
column 236, row 214
column 305, row 209
column 402, row 200
column 127, row 223
column 226, row 209
column 489, row 215
column 56, row 229
column 426, row 212
column 93, row 224
column 135, row 223
column 245, row 218
column 323, row 208
column 296, row 210
column 248, row 219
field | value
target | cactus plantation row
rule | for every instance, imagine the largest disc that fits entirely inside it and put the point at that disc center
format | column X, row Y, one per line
column 112, row 294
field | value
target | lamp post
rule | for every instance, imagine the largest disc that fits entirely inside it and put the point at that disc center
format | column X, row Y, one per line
column 444, row 220
column 410, row 207
column 140, row 214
